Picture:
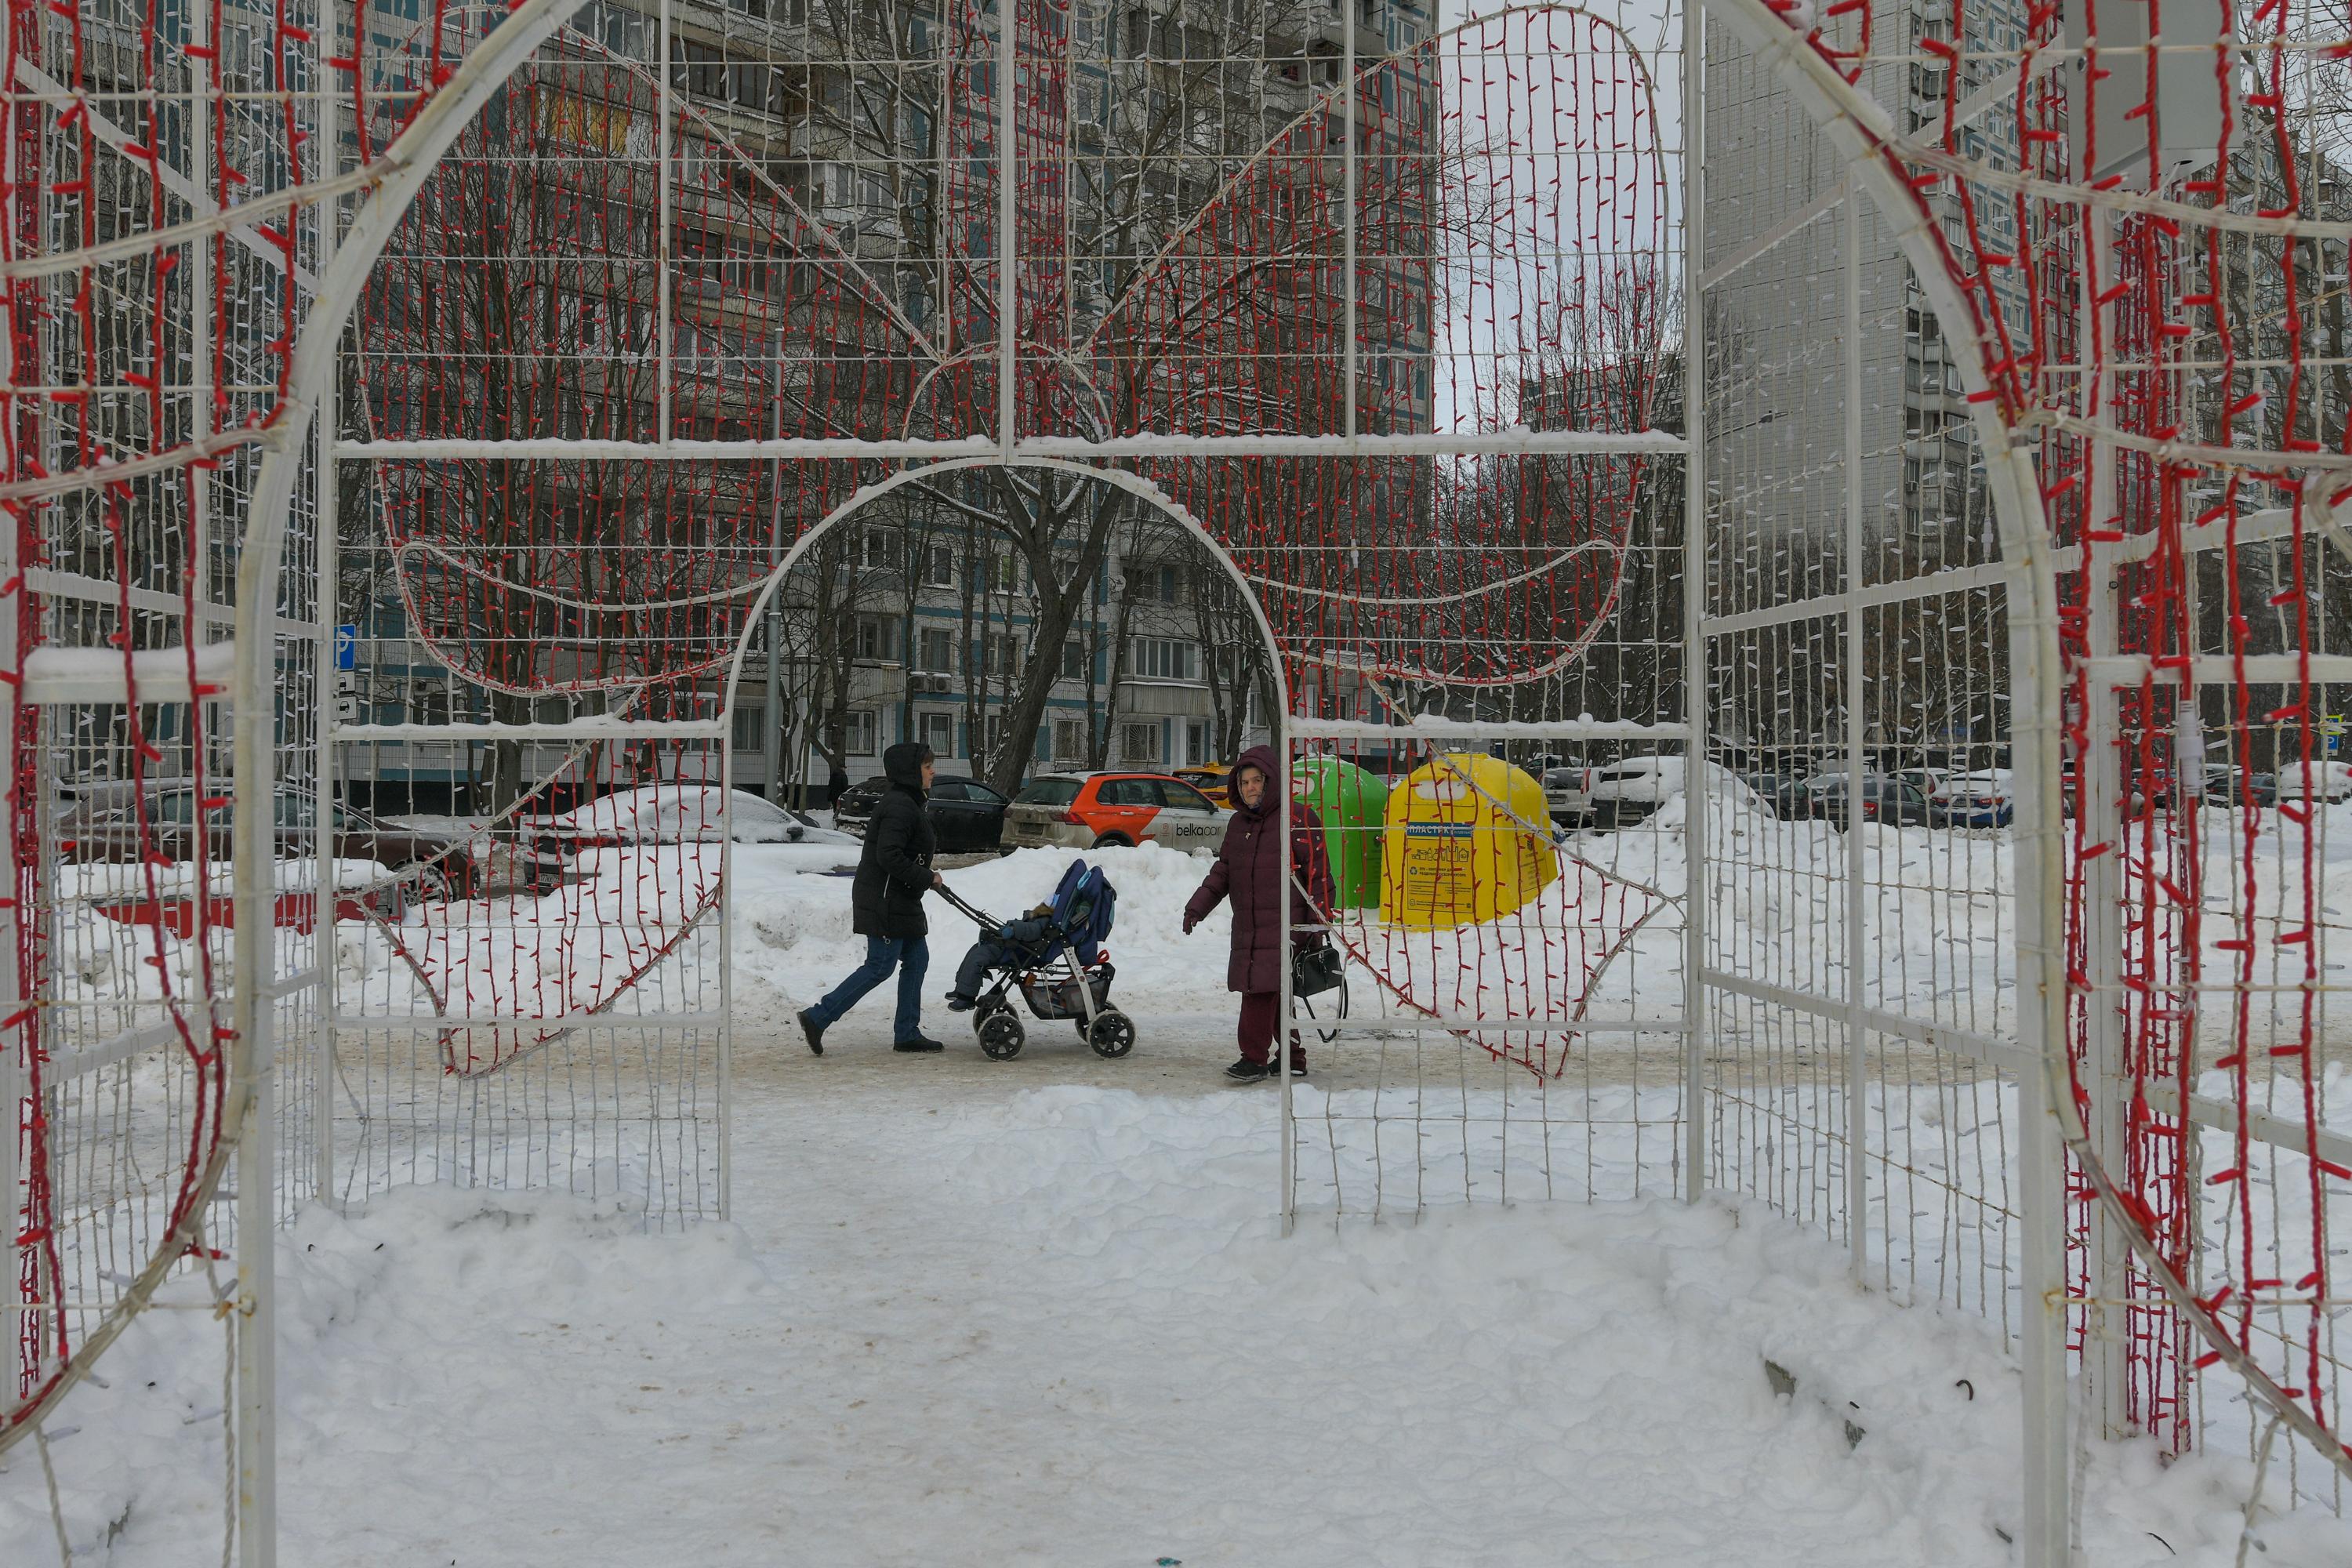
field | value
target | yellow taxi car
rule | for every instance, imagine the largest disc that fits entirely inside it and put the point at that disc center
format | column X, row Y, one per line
column 1211, row 779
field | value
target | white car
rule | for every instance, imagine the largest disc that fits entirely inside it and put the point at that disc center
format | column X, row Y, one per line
column 1630, row 788
column 685, row 814
column 1986, row 798
column 1926, row 781
column 2330, row 782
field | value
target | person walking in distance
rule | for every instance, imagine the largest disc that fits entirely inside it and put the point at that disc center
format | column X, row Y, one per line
column 1250, row 871
column 885, row 901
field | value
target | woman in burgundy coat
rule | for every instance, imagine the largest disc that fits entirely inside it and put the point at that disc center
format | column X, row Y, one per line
column 1250, row 871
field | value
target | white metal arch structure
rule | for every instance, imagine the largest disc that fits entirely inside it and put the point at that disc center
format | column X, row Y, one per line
column 796, row 554
column 2088, row 305
column 1131, row 483
column 219, row 1026
column 1274, row 418
column 159, row 268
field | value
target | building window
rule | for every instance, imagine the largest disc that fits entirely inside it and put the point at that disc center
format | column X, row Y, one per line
column 939, row 652
column 1069, row 741
column 428, row 704
column 938, row 732
column 1196, row 742
column 1159, row 659
column 1139, row 743
column 864, row 733
column 940, row 568
column 877, row 638
column 750, row 724
column 698, row 68
column 581, row 122
column 877, row 549
column 1074, row 661
column 1159, row 585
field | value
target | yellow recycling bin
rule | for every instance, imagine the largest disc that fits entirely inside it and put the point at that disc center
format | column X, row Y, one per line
column 1467, row 840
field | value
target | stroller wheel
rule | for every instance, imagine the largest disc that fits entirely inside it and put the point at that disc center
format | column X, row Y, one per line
column 1113, row 1034
column 1001, row 1037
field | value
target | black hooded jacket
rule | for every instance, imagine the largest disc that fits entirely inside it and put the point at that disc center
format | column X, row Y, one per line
column 894, row 870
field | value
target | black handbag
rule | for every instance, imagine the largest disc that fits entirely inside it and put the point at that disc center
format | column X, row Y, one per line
column 1315, row 970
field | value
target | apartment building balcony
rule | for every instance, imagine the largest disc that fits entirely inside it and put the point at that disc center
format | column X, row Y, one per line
column 1163, row 699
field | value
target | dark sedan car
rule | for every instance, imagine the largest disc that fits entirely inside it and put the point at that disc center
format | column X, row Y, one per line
column 965, row 813
column 1890, row 800
column 446, row 869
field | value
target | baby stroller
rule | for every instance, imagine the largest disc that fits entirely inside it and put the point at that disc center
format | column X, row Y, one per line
column 1063, row 975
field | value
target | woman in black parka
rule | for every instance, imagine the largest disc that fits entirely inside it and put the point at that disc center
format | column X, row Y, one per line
column 885, row 903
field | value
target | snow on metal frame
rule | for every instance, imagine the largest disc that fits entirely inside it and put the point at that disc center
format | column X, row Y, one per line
column 2134, row 260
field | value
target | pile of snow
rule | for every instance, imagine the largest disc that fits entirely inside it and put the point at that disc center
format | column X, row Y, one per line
column 687, row 813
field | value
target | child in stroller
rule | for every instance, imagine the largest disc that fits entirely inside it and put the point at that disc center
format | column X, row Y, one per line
column 1055, row 954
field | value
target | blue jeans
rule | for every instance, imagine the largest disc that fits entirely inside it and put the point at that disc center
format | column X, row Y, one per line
column 910, row 956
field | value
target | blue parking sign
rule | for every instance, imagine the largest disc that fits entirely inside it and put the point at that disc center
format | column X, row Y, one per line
column 347, row 647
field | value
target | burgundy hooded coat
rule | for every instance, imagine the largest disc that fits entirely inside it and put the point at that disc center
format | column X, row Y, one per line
column 1249, row 872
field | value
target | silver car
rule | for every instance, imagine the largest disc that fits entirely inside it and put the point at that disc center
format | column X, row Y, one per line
column 1564, row 792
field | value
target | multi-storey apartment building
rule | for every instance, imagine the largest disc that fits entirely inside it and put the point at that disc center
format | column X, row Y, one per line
column 875, row 122
column 1783, row 236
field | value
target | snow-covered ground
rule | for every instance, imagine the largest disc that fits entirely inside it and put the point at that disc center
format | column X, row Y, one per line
column 1057, row 1325
column 1039, row 1312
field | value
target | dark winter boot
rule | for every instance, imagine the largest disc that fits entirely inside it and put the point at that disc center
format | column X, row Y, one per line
column 960, row 1002
column 813, row 1030
column 920, row 1043
column 1246, row 1071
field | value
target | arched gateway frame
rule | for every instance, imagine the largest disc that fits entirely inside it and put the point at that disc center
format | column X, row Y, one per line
column 1236, row 380
column 796, row 555
column 1290, row 332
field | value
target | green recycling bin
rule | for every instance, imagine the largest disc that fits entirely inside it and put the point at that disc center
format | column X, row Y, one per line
column 1354, row 806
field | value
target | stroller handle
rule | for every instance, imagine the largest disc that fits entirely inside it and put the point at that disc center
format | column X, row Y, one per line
column 978, row 917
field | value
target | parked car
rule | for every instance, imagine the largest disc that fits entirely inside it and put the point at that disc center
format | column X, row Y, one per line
column 965, row 814
column 2219, row 784
column 1770, row 788
column 1926, row 781
column 1986, row 798
column 854, row 809
column 1814, row 785
column 1564, row 794
column 1884, row 799
column 444, row 861
column 680, row 812
column 2158, row 788
column 1096, row 811
column 1626, row 791
column 2300, row 780
column 1211, row 779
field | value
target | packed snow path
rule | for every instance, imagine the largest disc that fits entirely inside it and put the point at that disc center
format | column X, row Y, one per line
column 972, row 1315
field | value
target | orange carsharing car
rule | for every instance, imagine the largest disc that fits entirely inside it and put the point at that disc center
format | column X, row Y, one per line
column 1100, row 811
